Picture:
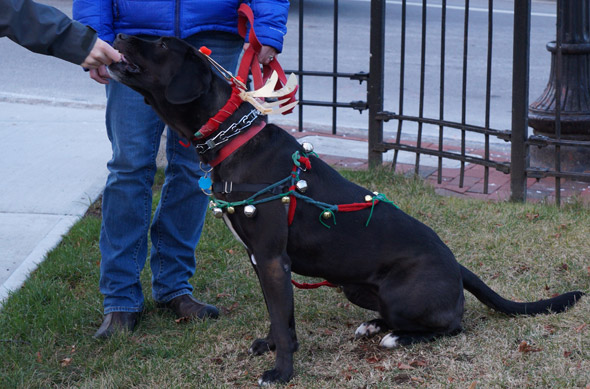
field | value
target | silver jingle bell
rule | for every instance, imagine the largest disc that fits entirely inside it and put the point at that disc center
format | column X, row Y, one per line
column 249, row 210
column 301, row 186
column 307, row 147
column 368, row 198
column 217, row 212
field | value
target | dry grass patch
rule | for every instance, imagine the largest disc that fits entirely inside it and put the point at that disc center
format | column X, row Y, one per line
column 524, row 251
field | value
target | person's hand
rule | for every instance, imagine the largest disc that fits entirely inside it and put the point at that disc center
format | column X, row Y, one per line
column 101, row 54
column 100, row 75
column 266, row 55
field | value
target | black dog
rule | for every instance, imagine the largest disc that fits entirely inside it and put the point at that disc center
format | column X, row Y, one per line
column 396, row 265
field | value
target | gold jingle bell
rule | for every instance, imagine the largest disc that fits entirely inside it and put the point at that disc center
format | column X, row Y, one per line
column 326, row 214
column 249, row 210
column 285, row 199
column 368, row 198
column 307, row 147
column 231, row 210
column 301, row 186
column 217, row 212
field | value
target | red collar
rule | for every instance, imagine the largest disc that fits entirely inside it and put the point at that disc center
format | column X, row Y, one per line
column 232, row 104
column 236, row 143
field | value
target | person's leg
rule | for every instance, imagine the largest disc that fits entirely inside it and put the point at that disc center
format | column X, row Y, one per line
column 179, row 218
column 177, row 223
column 134, row 131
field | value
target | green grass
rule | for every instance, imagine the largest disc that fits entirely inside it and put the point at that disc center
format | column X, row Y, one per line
column 524, row 251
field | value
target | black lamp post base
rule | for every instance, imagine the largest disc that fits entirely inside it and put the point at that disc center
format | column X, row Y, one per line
column 573, row 159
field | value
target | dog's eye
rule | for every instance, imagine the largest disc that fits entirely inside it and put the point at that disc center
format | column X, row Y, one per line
column 163, row 45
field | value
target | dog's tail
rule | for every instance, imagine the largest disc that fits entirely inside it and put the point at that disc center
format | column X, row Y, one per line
column 486, row 295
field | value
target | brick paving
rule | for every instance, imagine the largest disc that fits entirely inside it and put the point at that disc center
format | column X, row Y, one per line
column 498, row 188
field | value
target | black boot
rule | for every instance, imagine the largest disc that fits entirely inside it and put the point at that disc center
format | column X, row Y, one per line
column 186, row 306
column 115, row 322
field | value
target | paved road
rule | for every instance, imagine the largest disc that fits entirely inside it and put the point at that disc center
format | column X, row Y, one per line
column 46, row 77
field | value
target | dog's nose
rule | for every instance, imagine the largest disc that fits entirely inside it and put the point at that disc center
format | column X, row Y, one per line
column 122, row 36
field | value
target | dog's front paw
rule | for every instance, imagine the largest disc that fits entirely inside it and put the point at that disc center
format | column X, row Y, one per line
column 260, row 346
column 274, row 376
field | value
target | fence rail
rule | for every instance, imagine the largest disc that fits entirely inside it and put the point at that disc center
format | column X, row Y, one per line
column 421, row 122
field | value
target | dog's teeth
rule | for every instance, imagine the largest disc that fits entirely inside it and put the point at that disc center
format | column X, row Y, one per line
column 389, row 341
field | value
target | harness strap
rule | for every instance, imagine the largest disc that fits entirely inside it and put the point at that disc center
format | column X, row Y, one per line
column 226, row 187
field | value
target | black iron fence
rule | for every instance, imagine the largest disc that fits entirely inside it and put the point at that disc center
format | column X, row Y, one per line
column 444, row 78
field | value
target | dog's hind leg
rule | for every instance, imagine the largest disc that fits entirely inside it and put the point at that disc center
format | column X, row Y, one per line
column 365, row 297
column 371, row 328
column 402, row 338
column 362, row 295
column 419, row 309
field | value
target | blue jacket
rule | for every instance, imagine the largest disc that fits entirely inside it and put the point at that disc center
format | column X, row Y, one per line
column 181, row 18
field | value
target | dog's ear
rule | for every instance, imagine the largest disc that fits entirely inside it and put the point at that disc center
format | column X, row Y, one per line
column 192, row 80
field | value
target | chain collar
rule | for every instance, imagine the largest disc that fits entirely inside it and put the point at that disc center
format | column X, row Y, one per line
column 224, row 136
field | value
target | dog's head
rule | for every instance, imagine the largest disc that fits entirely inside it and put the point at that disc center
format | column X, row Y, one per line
column 174, row 78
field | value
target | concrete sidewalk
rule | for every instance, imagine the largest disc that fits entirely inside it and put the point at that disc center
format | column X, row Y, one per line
column 53, row 160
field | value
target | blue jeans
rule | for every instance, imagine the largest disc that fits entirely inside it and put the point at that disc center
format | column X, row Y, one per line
column 135, row 130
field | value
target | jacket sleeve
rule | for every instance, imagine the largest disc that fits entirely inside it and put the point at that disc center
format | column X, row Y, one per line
column 97, row 14
column 270, row 21
column 45, row 30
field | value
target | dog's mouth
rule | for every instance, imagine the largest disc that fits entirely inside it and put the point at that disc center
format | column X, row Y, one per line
column 129, row 66
column 125, row 66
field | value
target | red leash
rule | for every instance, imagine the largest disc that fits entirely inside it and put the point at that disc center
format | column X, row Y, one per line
column 250, row 62
column 313, row 286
